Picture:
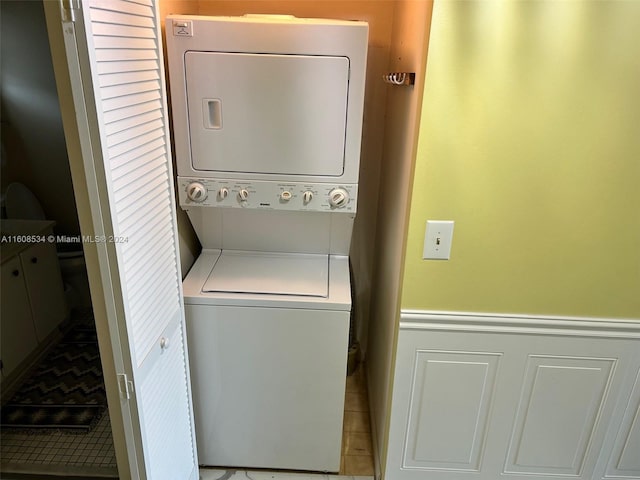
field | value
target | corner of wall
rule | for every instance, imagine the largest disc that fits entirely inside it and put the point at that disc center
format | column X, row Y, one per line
column 408, row 53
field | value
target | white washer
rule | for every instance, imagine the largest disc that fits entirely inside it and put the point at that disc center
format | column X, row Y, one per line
column 267, row 115
column 268, row 366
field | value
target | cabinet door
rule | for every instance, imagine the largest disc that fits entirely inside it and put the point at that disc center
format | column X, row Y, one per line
column 18, row 334
column 44, row 287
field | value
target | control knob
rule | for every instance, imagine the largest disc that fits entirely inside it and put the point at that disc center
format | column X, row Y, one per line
column 285, row 196
column 223, row 193
column 243, row 195
column 338, row 197
column 196, row 192
column 307, row 197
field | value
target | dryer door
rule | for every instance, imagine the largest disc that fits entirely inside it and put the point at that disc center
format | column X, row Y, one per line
column 267, row 114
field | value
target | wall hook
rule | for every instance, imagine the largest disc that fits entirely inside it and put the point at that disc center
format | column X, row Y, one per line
column 400, row 78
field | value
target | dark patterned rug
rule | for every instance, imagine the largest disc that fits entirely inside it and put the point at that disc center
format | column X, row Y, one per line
column 65, row 391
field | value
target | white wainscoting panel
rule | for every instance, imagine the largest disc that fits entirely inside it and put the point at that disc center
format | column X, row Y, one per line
column 625, row 458
column 451, row 394
column 483, row 397
column 561, row 402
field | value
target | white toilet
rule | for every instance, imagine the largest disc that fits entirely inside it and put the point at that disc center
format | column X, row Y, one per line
column 21, row 203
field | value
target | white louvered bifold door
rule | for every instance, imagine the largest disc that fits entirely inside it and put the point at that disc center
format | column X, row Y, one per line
column 132, row 155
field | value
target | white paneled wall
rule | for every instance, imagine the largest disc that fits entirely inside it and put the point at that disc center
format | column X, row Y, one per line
column 451, row 394
column 485, row 397
column 624, row 461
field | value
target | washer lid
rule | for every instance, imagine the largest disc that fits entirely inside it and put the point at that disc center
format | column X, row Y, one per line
column 270, row 273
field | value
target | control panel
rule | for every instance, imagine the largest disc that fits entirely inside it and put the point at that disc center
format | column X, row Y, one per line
column 320, row 197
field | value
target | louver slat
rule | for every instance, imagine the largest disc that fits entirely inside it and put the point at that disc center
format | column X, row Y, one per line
column 131, row 111
column 119, row 54
column 117, row 126
column 128, row 89
column 148, row 3
column 122, row 31
column 105, row 16
column 124, row 42
column 129, row 100
column 123, row 6
column 129, row 77
column 126, row 66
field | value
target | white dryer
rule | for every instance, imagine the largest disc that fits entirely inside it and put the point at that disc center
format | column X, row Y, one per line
column 267, row 122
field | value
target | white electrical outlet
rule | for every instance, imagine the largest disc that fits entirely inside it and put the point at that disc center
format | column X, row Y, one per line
column 437, row 240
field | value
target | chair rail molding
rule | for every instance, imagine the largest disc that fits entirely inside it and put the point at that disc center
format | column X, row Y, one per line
column 519, row 323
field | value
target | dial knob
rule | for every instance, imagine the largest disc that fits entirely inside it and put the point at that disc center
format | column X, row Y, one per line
column 196, row 192
column 307, row 196
column 223, row 193
column 285, row 196
column 338, row 197
column 243, row 194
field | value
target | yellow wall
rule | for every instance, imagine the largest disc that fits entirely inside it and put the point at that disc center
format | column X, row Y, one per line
column 530, row 142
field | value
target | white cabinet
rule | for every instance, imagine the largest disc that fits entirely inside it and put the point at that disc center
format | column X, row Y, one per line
column 18, row 337
column 488, row 400
column 32, row 292
column 44, row 285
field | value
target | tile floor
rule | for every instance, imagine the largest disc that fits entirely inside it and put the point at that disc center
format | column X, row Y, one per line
column 93, row 453
column 61, row 454
column 357, row 452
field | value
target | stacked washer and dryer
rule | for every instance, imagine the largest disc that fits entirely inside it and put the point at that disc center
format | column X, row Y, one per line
column 267, row 117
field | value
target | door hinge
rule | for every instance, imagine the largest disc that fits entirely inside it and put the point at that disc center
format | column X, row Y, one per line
column 69, row 9
column 125, row 386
